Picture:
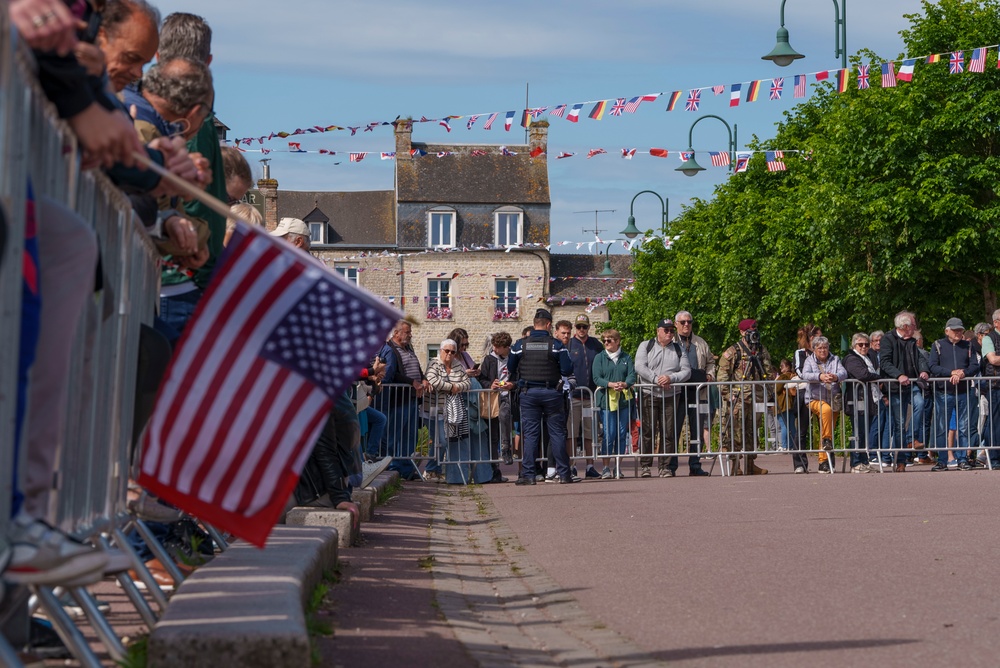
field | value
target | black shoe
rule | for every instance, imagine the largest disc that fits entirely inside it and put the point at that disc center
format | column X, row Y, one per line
column 525, row 480
column 824, row 467
column 568, row 480
column 414, row 476
column 508, row 456
column 964, row 466
column 497, row 478
column 940, row 467
column 976, row 464
column 695, row 473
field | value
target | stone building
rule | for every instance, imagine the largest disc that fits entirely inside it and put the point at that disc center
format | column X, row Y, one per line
column 459, row 242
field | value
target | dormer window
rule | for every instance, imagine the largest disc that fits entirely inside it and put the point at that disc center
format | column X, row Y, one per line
column 441, row 231
column 508, row 226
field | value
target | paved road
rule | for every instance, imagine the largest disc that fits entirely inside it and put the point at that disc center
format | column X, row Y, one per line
column 833, row 570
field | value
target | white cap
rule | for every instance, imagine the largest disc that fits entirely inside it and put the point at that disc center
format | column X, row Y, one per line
column 293, row 225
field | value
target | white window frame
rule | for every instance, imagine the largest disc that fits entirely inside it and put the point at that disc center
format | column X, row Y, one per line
column 323, row 233
column 440, row 298
column 503, row 213
column 433, row 219
column 506, row 298
column 432, row 352
column 348, row 271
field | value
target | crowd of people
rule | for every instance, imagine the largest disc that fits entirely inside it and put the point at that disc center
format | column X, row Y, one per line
column 559, row 397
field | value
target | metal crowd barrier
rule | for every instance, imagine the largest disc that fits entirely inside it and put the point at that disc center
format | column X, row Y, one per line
column 94, row 462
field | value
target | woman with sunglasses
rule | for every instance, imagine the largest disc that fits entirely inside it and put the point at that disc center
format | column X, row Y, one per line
column 614, row 376
column 862, row 403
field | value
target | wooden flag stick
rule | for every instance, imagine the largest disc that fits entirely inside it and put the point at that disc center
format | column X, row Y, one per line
column 187, row 189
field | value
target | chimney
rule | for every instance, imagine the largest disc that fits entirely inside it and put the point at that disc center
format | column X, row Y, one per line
column 268, row 188
column 404, row 138
column 538, row 136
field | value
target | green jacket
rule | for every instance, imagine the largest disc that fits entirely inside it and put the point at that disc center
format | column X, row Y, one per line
column 206, row 142
column 605, row 371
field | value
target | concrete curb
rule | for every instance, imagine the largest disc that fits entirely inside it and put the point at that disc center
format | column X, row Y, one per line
column 246, row 607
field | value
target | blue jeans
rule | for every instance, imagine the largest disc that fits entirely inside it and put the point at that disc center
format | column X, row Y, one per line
column 786, row 429
column 537, row 404
column 376, row 428
column 616, row 429
column 946, row 401
column 861, row 428
column 176, row 311
column 901, row 399
column 879, row 433
column 401, row 436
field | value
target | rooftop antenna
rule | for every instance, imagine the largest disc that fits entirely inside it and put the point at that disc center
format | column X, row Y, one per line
column 597, row 230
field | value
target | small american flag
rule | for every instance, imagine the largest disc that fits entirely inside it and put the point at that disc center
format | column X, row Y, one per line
column 718, row 90
column 719, row 158
column 478, row 152
column 776, row 86
column 358, row 157
column 694, row 99
column 774, row 161
column 863, row 77
column 595, row 151
column 888, row 75
column 489, row 121
column 800, row 85
column 978, row 61
column 633, row 104
column 618, row 107
column 227, row 442
column 956, row 64
column 558, row 111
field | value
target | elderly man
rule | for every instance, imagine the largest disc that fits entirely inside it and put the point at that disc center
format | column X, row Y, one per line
column 583, row 349
column 952, row 358
column 696, row 401
column 399, row 402
column 294, row 231
column 128, row 38
column 660, row 362
column 900, row 360
column 745, row 360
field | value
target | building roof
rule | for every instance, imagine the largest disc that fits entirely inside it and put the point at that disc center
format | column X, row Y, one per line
column 355, row 218
column 566, row 267
column 463, row 178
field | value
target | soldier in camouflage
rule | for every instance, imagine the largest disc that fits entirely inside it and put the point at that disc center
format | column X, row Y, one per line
column 746, row 360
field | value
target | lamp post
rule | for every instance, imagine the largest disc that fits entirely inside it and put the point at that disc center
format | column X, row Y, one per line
column 783, row 54
column 690, row 166
column 607, row 261
column 631, row 231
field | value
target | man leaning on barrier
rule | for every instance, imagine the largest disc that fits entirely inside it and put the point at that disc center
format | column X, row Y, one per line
column 696, row 400
column 745, row 360
column 952, row 358
column 400, row 403
column 660, row 362
column 545, row 376
column 900, row 360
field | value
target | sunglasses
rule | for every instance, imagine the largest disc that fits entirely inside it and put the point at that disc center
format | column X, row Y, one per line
column 684, row 322
column 583, row 326
column 610, row 340
column 861, row 345
column 448, row 350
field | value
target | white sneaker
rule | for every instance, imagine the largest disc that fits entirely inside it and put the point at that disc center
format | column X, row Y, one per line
column 861, row 468
column 43, row 555
column 800, row 469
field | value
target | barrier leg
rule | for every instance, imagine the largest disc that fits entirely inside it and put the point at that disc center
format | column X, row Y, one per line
column 8, row 657
column 63, row 625
column 97, row 621
column 134, row 595
column 217, row 537
column 164, row 557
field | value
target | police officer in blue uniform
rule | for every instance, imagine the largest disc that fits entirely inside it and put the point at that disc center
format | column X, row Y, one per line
column 545, row 377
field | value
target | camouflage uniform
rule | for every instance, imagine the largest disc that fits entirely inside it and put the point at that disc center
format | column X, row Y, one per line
column 740, row 423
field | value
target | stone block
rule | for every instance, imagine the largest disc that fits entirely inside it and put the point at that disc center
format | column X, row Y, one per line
column 365, row 498
column 325, row 517
column 246, row 607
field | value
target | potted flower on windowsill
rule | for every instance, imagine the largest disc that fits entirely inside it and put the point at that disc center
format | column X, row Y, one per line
column 439, row 313
column 500, row 314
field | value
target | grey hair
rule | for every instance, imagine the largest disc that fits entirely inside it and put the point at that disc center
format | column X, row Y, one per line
column 117, row 12
column 859, row 337
column 819, row 341
column 678, row 315
column 996, row 315
column 982, row 328
column 398, row 327
column 183, row 83
column 904, row 318
column 185, row 36
column 877, row 334
column 448, row 342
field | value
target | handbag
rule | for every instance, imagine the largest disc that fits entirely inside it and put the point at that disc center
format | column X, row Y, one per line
column 492, row 408
column 456, row 418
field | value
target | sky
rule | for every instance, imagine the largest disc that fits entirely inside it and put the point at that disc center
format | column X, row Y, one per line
column 312, row 62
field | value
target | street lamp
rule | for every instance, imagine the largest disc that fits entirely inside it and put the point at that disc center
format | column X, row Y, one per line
column 607, row 261
column 632, row 231
column 690, row 166
column 783, row 54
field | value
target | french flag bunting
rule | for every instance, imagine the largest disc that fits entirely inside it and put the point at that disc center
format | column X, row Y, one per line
column 508, row 120
column 906, row 70
column 574, row 113
column 734, row 95
column 295, row 147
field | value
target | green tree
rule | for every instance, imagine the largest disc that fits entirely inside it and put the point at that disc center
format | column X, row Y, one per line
column 892, row 205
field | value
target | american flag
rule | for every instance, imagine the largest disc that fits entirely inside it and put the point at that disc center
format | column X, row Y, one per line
column 227, row 442
column 800, row 85
column 472, row 121
column 888, row 75
column 774, row 161
column 477, row 152
column 862, row 77
column 558, row 111
column 618, row 107
column 633, row 104
column 718, row 90
column 595, row 151
column 694, row 99
column 956, row 64
column 719, row 158
column 358, row 157
column 978, row 61
column 489, row 121
column 776, row 86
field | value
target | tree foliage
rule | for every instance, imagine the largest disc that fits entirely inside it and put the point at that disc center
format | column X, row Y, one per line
column 894, row 205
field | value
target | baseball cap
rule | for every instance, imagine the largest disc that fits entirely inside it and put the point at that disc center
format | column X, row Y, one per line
column 290, row 225
column 666, row 323
column 954, row 323
column 543, row 314
column 583, row 319
column 749, row 323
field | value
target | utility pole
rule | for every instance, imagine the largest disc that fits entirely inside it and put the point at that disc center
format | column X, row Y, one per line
column 597, row 230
